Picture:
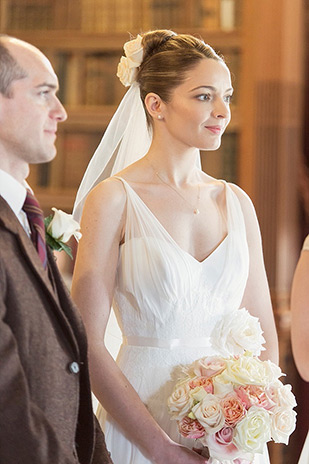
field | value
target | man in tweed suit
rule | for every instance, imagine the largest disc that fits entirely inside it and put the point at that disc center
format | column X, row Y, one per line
column 45, row 399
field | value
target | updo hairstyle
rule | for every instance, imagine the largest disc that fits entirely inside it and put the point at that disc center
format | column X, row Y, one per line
column 166, row 60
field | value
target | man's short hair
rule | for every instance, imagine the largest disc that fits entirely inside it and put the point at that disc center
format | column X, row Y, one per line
column 10, row 70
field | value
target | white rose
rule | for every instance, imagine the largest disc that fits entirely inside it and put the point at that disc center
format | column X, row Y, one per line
column 63, row 226
column 134, row 50
column 209, row 413
column 246, row 370
column 285, row 396
column 180, row 403
column 236, row 333
column 253, row 431
column 126, row 71
column 283, row 424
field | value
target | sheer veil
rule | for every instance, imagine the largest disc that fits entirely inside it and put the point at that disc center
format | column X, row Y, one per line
column 126, row 139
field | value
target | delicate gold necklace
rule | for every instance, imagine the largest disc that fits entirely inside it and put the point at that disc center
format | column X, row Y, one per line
column 196, row 210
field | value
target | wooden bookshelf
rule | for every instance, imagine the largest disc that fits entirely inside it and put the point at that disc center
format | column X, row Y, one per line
column 86, row 65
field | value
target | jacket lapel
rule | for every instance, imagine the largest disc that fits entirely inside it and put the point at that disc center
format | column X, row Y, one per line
column 60, row 301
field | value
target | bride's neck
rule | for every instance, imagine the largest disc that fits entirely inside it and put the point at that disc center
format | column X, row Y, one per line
column 176, row 168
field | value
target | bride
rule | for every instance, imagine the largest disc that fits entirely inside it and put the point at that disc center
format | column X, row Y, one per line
column 172, row 248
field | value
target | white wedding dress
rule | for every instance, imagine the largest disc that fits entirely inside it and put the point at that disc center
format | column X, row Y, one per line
column 167, row 303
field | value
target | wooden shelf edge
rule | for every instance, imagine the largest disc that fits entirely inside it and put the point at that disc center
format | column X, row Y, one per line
column 66, row 40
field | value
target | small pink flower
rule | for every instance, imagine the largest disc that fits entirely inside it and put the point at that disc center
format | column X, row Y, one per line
column 225, row 436
column 254, row 395
column 233, row 409
column 191, row 428
column 204, row 382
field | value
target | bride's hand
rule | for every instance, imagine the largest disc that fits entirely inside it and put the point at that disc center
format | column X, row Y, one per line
column 180, row 454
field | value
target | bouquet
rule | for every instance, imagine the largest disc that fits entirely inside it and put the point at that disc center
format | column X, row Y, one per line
column 234, row 404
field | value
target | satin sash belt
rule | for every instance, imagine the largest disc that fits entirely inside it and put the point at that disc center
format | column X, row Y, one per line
column 165, row 343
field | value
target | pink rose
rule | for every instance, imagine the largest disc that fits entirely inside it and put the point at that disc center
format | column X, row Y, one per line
column 254, row 395
column 191, row 428
column 225, row 436
column 220, row 445
column 204, row 382
column 233, row 409
column 208, row 367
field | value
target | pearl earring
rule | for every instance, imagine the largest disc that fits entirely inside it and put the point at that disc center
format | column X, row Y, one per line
column 160, row 116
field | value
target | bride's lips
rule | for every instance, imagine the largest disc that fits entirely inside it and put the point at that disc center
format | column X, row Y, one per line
column 215, row 129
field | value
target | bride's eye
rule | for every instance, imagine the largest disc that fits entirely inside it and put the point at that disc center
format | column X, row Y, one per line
column 204, row 97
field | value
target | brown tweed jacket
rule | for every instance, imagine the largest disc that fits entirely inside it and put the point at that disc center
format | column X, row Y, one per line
column 45, row 402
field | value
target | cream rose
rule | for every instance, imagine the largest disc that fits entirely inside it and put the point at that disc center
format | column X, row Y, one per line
column 282, row 394
column 236, row 333
column 63, row 226
column 209, row 413
column 180, row 403
column 134, row 50
column 253, row 431
column 283, row 424
column 126, row 71
column 247, row 370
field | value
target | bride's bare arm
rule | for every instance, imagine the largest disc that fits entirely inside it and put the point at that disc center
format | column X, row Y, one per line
column 257, row 296
column 92, row 290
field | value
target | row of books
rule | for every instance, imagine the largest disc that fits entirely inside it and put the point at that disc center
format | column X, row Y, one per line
column 90, row 79
column 119, row 15
column 75, row 150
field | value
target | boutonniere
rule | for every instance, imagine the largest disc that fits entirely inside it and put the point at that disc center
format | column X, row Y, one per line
column 59, row 228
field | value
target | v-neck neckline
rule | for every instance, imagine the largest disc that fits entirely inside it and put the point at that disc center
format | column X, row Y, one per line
column 169, row 235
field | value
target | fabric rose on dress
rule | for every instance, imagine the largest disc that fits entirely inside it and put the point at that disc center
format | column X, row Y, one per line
column 283, row 424
column 253, row 431
column 233, row 409
column 237, row 332
column 209, row 413
column 180, row 403
column 191, row 428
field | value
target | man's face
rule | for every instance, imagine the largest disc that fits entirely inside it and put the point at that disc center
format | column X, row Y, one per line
column 29, row 118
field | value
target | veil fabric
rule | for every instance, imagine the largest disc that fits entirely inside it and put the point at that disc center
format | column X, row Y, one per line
column 126, row 139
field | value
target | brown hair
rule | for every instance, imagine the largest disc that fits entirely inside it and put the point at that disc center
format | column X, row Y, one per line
column 10, row 70
column 167, row 58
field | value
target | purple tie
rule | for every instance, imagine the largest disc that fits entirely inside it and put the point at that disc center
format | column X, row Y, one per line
column 36, row 222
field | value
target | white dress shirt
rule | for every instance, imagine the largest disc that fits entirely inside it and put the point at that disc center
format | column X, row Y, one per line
column 14, row 193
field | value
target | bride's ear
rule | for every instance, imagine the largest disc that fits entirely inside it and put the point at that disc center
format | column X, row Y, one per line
column 154, row 105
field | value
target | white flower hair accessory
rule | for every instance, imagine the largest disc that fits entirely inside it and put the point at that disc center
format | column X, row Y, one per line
column 127, row 67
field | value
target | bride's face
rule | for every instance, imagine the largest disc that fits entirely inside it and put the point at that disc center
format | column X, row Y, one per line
column 199, row 109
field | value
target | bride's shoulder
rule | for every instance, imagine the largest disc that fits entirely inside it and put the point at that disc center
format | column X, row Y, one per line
column 108, row 195
column 242, row 196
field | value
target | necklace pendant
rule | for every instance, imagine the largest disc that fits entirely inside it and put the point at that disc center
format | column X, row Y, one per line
column 196, row 211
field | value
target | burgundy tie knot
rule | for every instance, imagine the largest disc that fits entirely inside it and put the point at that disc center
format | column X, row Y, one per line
column 37, row 227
